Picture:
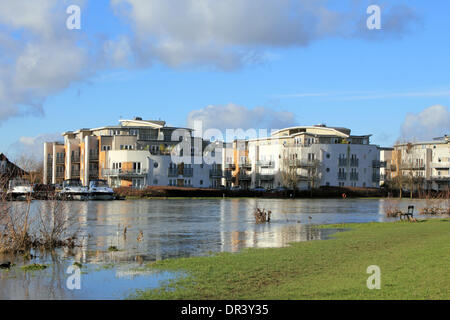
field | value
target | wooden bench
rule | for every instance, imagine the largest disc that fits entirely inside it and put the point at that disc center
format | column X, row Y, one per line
column 408, row 215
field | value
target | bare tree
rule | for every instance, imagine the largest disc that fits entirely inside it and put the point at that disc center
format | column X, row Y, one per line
column 289, row 170
column 32, row 166
column 314, row 174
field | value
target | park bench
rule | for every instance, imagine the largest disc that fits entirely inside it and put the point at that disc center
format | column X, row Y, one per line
column 407, row 215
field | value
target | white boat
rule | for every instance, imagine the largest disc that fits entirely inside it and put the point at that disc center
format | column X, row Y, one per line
column 100, row 190
column 72, row 189
column 19, row 189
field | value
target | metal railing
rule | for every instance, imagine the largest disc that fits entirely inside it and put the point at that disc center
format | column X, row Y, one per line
column 354, row 176
column 121, row 172
column 265, row 164
column 175, row 172
column 354, row 162
column 245, row 164
column 265, row 177
column 301, row 163
column 60, row 160
column 215, row 173
column 243, row 176
column 343, row 162
column 342, row 176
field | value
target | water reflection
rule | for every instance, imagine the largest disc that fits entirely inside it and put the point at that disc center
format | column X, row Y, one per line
column 161, row 229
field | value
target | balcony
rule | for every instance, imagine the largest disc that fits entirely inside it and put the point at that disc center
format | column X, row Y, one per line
column 343, row 162
column 301, row 163
column 59, row 174
column 215, row 174
column 245, row 165
column 60, row 160
column 265, row 164
column 354, row 176
column 342, row 176
column 123, row 173
column 93, row 156
column 442, row 178
column 354, row 162
column 75, row 158
column 265, row 177
column 175, row 172
column 93, row 173
column 227, row 174
column 244, row 177
column 230, row 166
column 441, row 165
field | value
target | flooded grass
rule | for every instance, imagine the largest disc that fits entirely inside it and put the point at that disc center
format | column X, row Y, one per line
column 414, row 259
column 34, row 267
column 178, row 228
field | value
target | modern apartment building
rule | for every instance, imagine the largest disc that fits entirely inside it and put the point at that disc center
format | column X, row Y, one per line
column 385, row 165
column 305, row 157
column 135, row 153
column 423, row 165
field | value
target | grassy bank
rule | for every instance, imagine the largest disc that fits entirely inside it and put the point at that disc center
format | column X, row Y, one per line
column 414, row 259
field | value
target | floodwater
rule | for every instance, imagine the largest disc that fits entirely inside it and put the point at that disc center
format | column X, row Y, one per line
column 161, row 229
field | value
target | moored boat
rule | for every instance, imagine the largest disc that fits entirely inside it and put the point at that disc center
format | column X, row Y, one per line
column 19, row 189
column 100, row 190
column 72, row 189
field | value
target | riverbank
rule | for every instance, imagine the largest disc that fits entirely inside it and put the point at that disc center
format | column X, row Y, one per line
column 199, row 193
column 414, row 259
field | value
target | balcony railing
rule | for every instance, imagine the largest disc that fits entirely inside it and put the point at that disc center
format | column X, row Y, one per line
column 413, row 166
column 342, row 176
column 59, row 174
column 175, row 172
column 343, row 162
column 93, row 172
column 441, row 178
column 60, row 160
column 265, row 164
column 441, row 165
column 227, row 174
column 265, row 177
column 244, row 177
column 215, row 173
column 76, row 158
column 354, row 176
column 354, row 162
column 301, row 163
column 230, row 166
column 121, row 172
column 245, row 164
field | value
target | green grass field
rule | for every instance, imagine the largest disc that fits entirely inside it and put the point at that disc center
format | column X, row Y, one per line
column 414, row 259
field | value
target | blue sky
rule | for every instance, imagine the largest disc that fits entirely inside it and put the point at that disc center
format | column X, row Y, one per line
column 371, row 84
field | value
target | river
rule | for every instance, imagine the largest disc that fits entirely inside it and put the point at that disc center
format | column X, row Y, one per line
column 171, row 228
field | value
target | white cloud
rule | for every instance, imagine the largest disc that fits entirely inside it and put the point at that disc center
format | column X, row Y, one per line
column 232, row 116
column 40, row 56
column 32, row 147
column 430, row 123
column 226, row 34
